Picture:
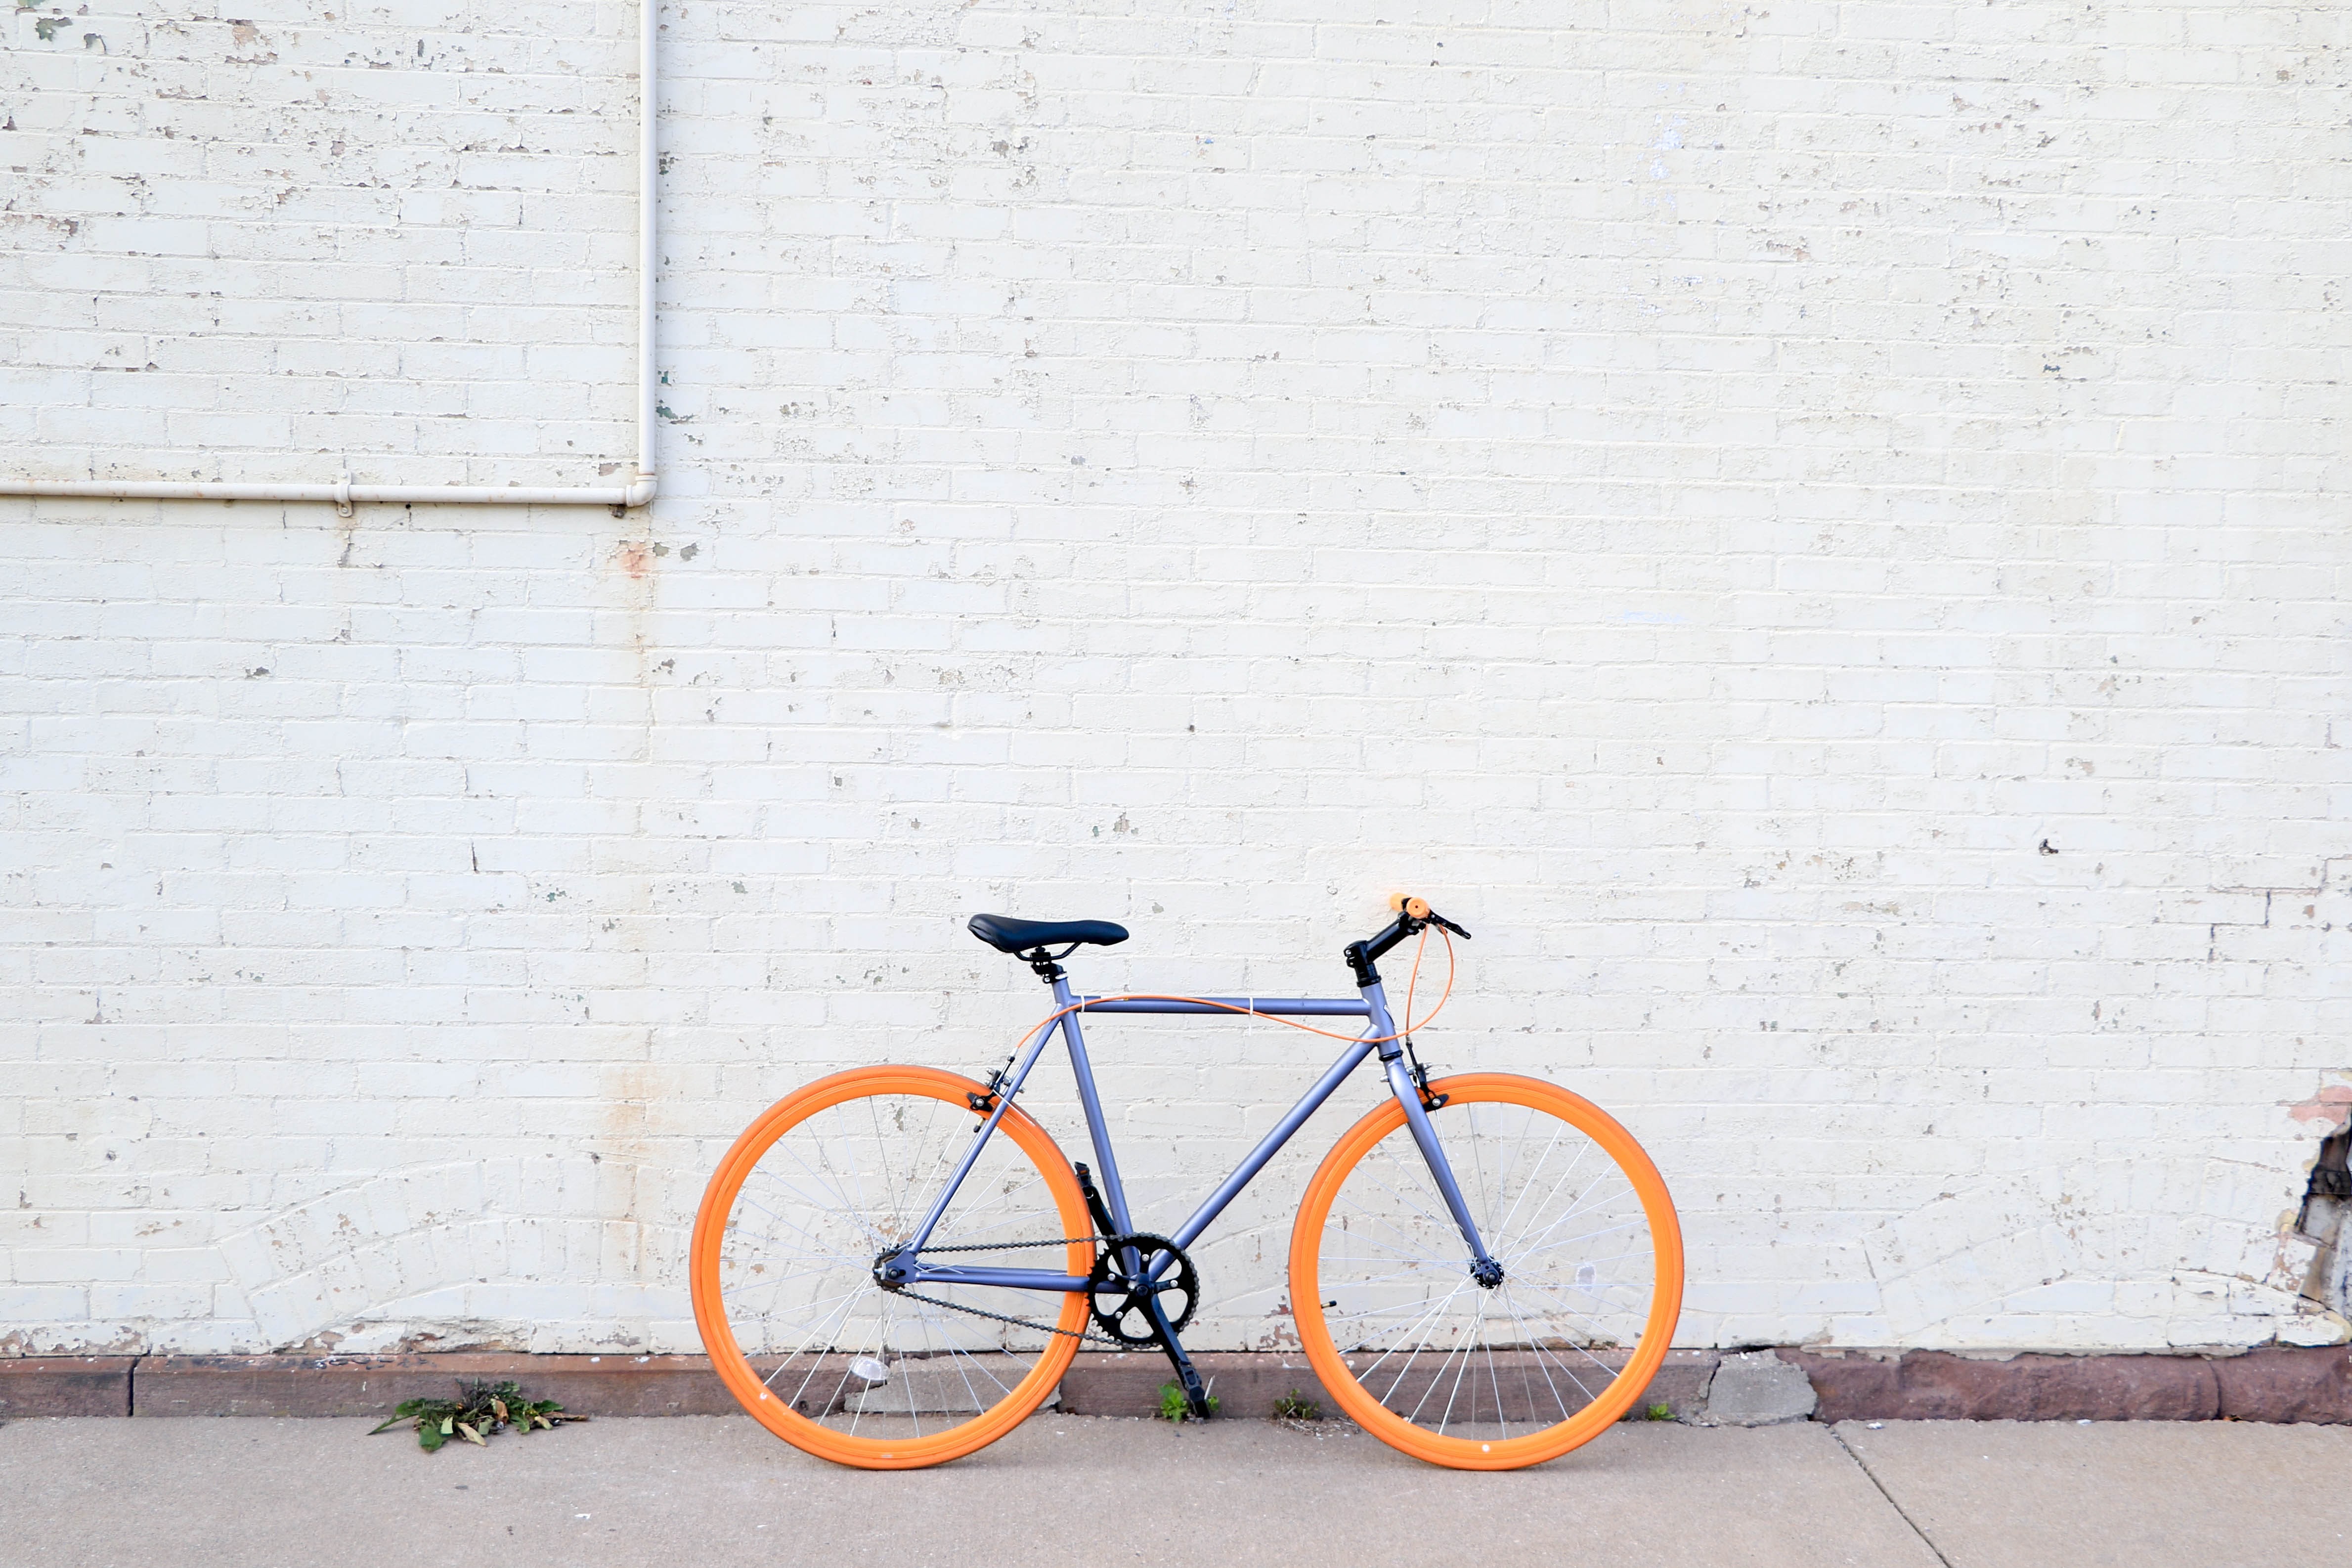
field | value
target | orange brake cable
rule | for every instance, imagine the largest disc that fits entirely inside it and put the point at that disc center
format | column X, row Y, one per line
column 1060, row 1013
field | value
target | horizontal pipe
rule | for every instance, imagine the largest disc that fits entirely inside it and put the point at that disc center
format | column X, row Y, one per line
column 635, row 494
column 1309, row 1006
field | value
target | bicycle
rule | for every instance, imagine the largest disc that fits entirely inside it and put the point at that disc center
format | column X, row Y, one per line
column 1485, row 1271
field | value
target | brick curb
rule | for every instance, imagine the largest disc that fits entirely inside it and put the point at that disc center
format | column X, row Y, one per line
column 2275, row 1383
column 66, row 1386
column 1247, row 1383
column 371, row 1385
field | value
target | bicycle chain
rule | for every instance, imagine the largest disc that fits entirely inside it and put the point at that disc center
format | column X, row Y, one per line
column 1078, row 1334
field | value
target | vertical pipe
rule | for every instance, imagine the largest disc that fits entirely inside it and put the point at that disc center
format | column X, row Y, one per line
column 648, row 170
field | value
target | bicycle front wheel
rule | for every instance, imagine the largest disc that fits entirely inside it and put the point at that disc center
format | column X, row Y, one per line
column 1416, row 1349
column 815, row 1192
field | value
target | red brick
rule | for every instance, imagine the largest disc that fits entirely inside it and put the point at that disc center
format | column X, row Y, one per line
column 2279, row 1382
column 1247, row 1383
column 1933, row 1385
column 66, row 1386
column 371, row 1385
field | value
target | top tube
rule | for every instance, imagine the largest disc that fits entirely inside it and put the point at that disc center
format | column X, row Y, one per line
column 1307, row 1006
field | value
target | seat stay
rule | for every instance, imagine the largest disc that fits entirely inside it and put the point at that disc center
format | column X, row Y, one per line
column 1004, row 1093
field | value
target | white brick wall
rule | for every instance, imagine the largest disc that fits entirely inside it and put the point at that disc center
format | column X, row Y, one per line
column 1704, row 492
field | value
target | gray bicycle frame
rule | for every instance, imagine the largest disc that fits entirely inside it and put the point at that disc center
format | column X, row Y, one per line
column 1378, row 1031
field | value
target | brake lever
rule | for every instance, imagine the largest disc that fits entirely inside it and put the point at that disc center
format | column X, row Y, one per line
column 1437, row 920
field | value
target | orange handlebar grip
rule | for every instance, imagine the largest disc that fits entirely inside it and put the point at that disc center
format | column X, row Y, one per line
column 1406, row 904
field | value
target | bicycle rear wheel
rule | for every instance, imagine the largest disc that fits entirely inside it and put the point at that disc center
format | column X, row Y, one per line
column 1414, row 1350
column 816, row 1190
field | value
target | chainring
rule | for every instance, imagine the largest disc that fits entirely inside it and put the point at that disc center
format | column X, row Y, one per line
column 1110, row 1281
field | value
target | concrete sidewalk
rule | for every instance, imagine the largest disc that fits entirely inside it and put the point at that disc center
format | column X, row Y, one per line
column 1078, row 1491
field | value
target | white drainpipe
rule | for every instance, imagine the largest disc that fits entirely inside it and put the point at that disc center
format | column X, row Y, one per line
column 343, row 493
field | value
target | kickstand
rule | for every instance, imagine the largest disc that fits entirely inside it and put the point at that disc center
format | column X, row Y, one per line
column 1196, row 1398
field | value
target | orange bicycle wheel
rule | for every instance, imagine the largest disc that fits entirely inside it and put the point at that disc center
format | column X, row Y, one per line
column 1421, row 1356
column 816, row 1189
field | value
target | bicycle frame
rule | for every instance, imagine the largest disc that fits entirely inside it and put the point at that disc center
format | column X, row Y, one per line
column 1380, row 1035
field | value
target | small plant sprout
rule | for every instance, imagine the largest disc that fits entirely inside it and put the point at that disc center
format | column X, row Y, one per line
column 1662, row 1413
column 1295, row 1406
column 1174, row 1406
column 480, row 1409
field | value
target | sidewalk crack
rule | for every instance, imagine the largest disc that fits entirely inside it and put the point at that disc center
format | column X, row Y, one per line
column 1864, row 1465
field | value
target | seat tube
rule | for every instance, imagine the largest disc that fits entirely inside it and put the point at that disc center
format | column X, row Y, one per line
column 1408, row 1094
column 1114, row 1191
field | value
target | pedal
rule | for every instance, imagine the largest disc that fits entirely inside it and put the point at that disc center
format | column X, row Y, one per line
column 1188, row 1376
column 1196, row 1398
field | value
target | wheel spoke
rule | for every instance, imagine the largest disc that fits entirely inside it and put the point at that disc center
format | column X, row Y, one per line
column 790, row 1267
column 1460, row 1365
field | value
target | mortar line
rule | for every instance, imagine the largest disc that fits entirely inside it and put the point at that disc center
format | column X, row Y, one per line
column 1864, row 1465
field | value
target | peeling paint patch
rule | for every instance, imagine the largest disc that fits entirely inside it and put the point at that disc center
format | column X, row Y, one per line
column 2331, row 1106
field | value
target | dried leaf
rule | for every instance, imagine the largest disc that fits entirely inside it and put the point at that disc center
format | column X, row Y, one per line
column 500, row 1406
column 470, row 1435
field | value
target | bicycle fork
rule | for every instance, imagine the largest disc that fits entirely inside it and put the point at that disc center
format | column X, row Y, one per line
column 1410, row 1083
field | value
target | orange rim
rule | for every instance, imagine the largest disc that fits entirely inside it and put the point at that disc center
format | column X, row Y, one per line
column 1502, row 1453
column 735, row 1369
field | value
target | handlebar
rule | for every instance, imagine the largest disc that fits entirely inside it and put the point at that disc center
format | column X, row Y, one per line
column 1418, row 910
column 1414, row 915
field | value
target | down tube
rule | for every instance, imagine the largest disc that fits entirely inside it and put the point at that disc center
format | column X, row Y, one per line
column 1271, row 1144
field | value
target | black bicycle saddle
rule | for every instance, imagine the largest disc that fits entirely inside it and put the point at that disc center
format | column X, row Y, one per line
column 1007, row 935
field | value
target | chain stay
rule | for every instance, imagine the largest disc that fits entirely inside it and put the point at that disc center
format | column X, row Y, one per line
column 1006, row 1317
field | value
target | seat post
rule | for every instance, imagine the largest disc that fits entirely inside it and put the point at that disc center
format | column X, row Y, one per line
column 1082, row 1068
column 1045, row 966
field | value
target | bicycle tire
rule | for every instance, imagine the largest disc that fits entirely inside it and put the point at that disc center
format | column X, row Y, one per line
column 1394, row 1264
column 848, row 1184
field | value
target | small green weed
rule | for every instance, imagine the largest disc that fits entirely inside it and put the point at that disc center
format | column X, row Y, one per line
column 1174, row 1406
column 1295, row 1406
column 480, row 1409
column 1662, row 1411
